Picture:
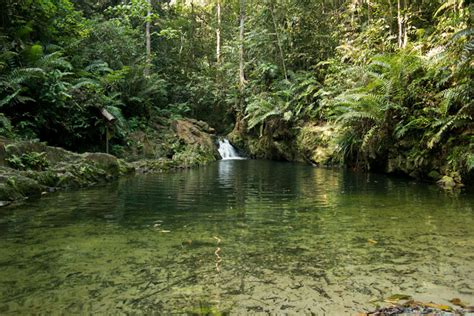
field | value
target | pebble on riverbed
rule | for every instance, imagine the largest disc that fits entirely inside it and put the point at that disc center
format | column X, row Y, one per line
column 411, row 307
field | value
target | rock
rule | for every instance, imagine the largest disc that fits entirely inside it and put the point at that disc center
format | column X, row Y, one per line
column 449, row 182
column 4, row 203
column 53, row 154
column 8, row 194
column 196, row 134
column 202, row 125
column 317, row 143
column 47, row 178
column 15, row 187
column 125, row 168
column 106, row 162
column 190, row 144
column 154, row 165
column 193, row 133
column 64, row 170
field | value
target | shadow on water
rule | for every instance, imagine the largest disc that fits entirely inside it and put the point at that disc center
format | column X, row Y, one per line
column 241, row 236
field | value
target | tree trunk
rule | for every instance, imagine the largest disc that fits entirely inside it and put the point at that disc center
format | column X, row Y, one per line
column 218, row 33
column 405, row 24
column 400, row 23
column 193, row 31
column 240, row 120
column 352, row 9
column 148, row 39
column 280, row 48
column 390, row 13
column 241, row 47
column 368, row 11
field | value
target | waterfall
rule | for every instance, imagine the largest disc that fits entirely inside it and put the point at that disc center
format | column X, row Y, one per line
column 227, row 151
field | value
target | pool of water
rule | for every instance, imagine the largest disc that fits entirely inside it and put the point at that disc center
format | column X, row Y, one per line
column 240, row 236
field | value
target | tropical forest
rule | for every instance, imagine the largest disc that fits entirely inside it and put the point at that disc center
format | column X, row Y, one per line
column 237, row 157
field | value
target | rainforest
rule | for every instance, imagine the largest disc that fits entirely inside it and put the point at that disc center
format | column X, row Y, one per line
column 236, row 156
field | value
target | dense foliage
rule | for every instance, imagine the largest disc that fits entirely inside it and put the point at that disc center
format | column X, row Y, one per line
column 394, row 76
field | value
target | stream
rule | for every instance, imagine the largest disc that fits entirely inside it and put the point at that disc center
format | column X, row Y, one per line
column 238, row 236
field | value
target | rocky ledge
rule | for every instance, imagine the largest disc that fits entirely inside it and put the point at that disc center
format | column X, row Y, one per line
column 31, row 168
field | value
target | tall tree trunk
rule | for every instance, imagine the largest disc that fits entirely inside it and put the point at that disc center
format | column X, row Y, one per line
column 146, row 71
column 405, row 24
column 390, row 13
column 193, row 31
column 280, row 48
column 368, row 11
column 352, row 8
column 400, row 23
column 218, row 33
column 240, row 122
column 241, row 46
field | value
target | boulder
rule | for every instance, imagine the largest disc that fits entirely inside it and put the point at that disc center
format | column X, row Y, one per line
column 105, row 162
column 197, row 135
column 63, row 169
column 316, row 143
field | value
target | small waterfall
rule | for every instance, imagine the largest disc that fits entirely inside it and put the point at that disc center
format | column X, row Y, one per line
column 227, row 151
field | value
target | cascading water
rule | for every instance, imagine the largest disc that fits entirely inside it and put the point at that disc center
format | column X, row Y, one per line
column 227, row 151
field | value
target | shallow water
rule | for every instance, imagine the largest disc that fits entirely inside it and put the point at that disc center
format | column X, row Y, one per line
column 241, row 236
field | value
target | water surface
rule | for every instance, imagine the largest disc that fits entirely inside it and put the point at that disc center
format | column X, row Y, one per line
column 238, row 236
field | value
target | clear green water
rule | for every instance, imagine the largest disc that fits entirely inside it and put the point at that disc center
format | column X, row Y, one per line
column 293, row 239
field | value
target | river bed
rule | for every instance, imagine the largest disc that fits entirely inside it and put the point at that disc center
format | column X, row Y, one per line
column 238, row 236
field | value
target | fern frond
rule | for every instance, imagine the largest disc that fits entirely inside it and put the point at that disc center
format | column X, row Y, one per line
column 414, row 124
column 368, row 136
column 357, row 116
column 99, row 66
column 85, row 82
column 53, row 61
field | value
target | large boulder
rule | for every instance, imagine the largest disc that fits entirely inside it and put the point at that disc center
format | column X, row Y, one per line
column 52, row 154
column 15, row 186
column 59, row 169
column 197, row 135
column 105, row 162
column 193, row 132
column 316, row 143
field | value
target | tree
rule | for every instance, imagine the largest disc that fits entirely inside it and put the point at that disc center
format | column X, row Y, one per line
column 148, row 39
column 218, row 32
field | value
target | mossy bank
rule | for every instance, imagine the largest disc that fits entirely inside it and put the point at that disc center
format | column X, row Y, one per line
column 31, row 168
column 450, row 165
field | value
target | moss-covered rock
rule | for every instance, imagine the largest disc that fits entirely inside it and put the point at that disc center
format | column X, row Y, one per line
column 14, row 186
column 52, row 154
column 154, row 165
column 28, row 168
column 317, row 143
column 48, row 178
column 61, row 169
column 104, row 162
column 193, row 155
column 8, row 194
column 197, row 137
